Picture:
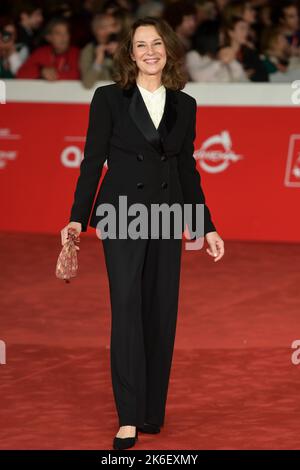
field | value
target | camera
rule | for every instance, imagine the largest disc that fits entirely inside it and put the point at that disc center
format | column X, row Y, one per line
column 6, row 36
column 113, row 37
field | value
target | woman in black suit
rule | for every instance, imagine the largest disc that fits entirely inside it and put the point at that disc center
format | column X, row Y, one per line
column 144, row 125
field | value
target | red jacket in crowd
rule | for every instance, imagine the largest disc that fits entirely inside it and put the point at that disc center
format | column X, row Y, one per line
column 66, row 64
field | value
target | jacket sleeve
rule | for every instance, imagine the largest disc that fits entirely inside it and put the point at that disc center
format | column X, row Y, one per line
column 95, row 153
column 190, row 177
column 89, row 73
column 31, row 67
column 73, row 72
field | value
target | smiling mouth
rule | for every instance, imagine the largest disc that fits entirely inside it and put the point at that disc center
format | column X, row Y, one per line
column 151, row 61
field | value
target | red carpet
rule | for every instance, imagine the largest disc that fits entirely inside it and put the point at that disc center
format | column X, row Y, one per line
column 233, row 385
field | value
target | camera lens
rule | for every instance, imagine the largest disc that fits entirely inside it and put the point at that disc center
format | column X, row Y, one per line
column 6, row 36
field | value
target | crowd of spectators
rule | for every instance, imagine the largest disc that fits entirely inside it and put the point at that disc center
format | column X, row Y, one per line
column 224, row 40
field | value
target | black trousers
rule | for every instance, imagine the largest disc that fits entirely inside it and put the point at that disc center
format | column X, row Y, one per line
column 144, row 279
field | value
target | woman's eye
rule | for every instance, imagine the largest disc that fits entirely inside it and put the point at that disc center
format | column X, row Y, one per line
column 156, row 44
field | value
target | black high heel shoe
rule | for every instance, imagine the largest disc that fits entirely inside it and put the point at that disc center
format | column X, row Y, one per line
column 149, row 428
column 120, row 443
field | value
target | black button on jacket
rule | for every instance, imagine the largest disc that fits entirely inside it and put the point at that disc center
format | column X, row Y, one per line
column 146, row 164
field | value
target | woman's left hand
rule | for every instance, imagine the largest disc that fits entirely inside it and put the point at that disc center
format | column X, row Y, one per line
column 216, row 245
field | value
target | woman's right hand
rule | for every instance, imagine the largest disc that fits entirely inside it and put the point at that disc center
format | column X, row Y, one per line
column 226, row 55
column 64, row 232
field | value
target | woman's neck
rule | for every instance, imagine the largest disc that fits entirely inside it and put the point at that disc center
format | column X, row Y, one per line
column 235, row 45
column 150, row 83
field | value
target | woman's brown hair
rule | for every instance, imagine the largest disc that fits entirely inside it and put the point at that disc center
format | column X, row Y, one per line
column 234, row 9
column 125, row 70
column 226, row 27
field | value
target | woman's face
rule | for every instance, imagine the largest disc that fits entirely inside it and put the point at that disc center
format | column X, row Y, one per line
column 265, row 15
column 103, row 27
column 291, row 18
column 221, row 4
column 188, row 25
column 148, row 50
column 240, row 32
column 249, row 13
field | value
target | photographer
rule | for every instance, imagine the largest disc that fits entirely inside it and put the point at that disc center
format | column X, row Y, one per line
column 12, row 55
column 96, row 58
column 58, row 60
column 30, row 25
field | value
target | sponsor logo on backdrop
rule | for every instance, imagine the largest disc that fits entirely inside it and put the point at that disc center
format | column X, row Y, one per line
column 2, row 352
column 216, row 153
column 295, row 97
column 2, row 92
column 292, row 171
column 295, row 357
column 72, row 155
column 6, row 155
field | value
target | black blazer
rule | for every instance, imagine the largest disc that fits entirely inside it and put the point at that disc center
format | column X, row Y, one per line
column 146, row 164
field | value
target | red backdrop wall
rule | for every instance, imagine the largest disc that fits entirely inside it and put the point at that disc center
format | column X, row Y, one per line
column 248, row 157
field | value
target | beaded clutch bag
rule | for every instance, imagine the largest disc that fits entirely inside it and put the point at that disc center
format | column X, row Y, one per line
column 67, row 262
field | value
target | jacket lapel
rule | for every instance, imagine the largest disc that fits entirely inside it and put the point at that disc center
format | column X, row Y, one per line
column 139, row 114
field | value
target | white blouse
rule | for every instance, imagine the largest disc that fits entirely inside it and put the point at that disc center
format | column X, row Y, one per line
column 155, row 102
